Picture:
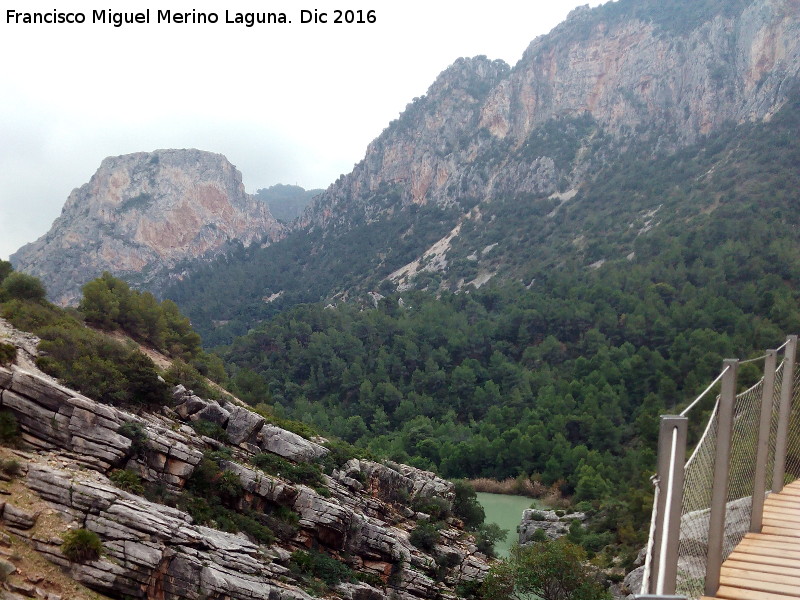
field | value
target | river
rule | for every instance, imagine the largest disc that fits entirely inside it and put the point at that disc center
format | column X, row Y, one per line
column 506, row 511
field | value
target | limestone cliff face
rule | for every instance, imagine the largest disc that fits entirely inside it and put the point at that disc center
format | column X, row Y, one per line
column 605, row 77
column 144, row 215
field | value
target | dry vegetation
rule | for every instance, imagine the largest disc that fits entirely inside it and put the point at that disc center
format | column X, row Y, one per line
column 522, row 486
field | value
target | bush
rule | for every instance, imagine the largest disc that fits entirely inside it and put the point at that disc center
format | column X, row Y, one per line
column 9, row 430
column 20, row 286
column 135, row 432
column 8, row 353
column 127, row 480
column 466, row 506
column 340, row 453
column 425, row 536
column 10, row 466
column 81, row 545
column 5, row 270
column 540, row 535
column 435, row 506
column 550, row 570
column 309, row 474
column 301, row 429
column 321, row 566
column 186, row 375
column 210, row 429
column 488, row 535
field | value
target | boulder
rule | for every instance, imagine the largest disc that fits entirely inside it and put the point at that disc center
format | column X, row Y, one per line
column 288, row 444
column 243, row 424
column 190, row 405
column 212, row 412
column 18, row 518
column 554, row 526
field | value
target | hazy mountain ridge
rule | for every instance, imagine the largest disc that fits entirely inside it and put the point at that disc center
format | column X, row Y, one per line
column 142, row 216
column 286, row 202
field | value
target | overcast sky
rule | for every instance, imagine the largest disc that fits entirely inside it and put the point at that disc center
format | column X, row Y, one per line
column 295, row 103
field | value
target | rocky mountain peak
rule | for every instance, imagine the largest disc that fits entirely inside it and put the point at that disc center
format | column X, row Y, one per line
column 144, row 214
column 658, row 73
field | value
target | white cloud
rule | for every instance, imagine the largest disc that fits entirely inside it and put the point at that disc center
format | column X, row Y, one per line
column 285, row 103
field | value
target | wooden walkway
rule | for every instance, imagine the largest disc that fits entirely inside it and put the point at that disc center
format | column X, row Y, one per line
column 766, row 565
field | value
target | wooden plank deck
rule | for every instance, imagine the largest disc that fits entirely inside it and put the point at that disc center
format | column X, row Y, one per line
column 766, row 565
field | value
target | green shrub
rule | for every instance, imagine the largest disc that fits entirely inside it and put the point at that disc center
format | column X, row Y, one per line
column 211, row 510
column 321, row 566
column 487, row 535
column 283, row 521
column 127, row 480
column 10, row 466
column 340, row 453
column 9, row 430
column 369, row 578
column 81, row 545
column 135, row 432
column 8, row 353
column 20, row 286
column 209, row 429
column 425, row 536
column 539, row 535
column 5, row 270
column 301, row 429
column 186, row 375
column 435, row 506
column 466, row 506
column 309, row 474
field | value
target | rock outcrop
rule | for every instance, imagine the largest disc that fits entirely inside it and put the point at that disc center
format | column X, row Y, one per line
column 157, row 551
column 553, row 524
column 145, row 217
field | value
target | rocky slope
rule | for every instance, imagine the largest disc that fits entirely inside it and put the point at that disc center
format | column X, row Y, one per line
column 145, row 217
column 360, row 515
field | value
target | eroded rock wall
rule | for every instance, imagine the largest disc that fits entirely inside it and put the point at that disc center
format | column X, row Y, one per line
column 144, row 215
column 156, row 551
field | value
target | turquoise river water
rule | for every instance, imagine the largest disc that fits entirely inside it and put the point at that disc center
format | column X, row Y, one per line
column 506, row 511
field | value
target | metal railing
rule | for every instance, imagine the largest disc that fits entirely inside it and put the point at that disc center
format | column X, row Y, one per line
column 705, row 505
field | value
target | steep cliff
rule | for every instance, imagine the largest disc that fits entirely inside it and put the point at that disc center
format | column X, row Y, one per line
column 146, row 216
column 358, row 518
column 664, row 73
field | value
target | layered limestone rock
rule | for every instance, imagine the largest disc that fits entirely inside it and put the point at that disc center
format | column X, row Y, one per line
column 602, row 78
column 141, row 216
column 153, row 550
column 553, row 524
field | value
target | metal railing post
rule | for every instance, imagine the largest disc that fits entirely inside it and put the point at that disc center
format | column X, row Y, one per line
column 719, row 491
column 783, row 414
column 671, row 460
column 762, row 450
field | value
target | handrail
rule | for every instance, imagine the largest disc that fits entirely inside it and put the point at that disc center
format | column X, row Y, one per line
column 740, row 426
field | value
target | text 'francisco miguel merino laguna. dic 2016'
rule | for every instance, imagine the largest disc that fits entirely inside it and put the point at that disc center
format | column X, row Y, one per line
column 118, row 19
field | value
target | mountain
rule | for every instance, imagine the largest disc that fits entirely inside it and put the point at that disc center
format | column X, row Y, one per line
column 286, row 202
column 666, row 73
column 502, row 173
column 147, row 216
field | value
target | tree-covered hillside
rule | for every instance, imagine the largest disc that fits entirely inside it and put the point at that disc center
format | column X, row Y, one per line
column 630, row 213
column 694, row 258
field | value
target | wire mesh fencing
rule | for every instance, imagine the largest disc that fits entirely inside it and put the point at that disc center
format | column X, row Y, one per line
column 744, row 437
